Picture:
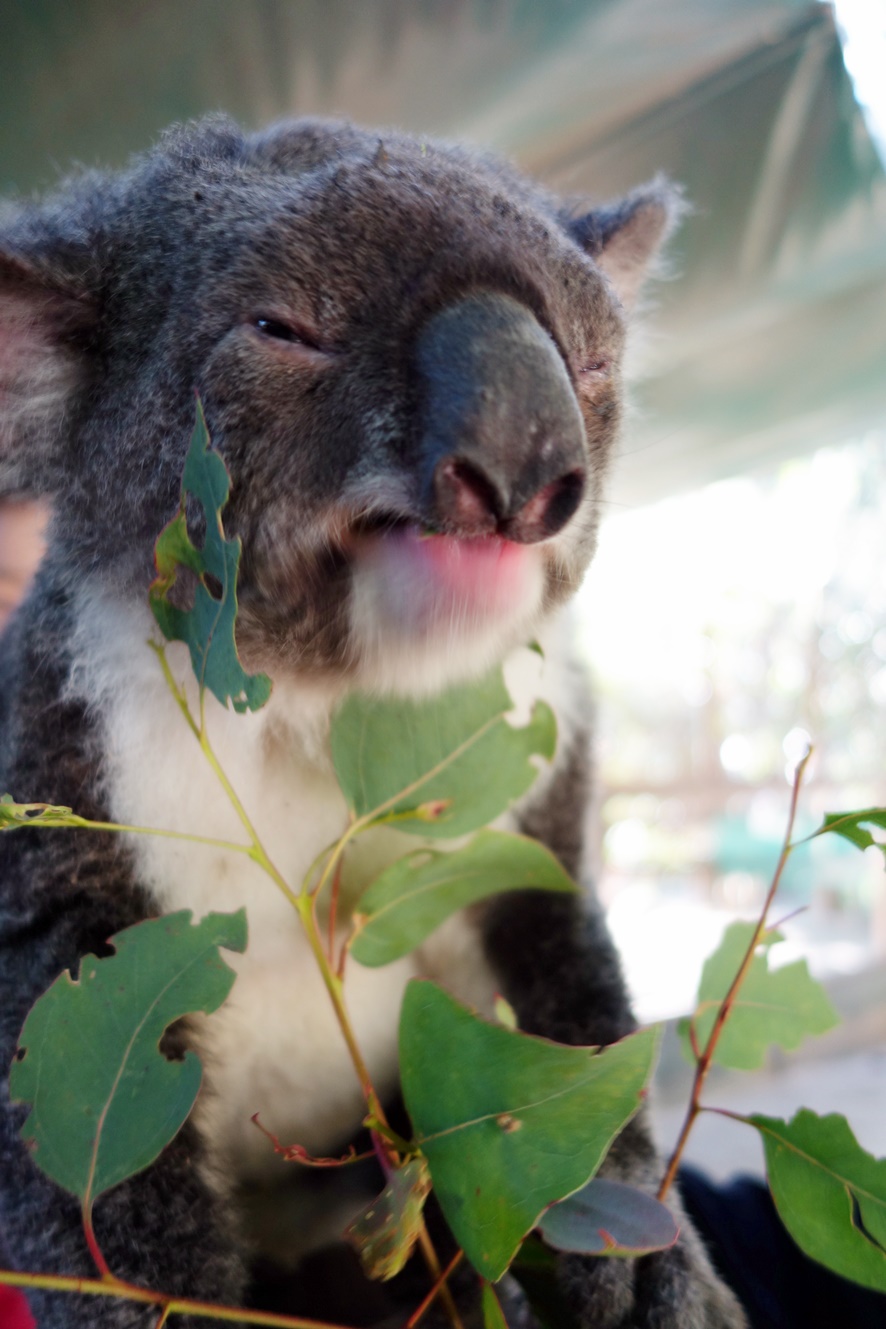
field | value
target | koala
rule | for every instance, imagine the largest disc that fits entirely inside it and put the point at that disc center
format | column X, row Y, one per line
column 391, row 338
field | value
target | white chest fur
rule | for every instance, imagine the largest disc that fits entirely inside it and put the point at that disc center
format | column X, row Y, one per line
column 274, row 1048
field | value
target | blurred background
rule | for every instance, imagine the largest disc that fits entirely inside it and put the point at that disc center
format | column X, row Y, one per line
column 737, row 608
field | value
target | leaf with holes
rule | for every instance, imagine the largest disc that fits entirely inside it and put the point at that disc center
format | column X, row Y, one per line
column 413, row 896
column 851, row 826
column 14, row 815
column 385, row 1233
column 443, row 766
column 781, row 1006
column 830, row 1194
column 609, row 1218
column 533, row 1119
column 207, row 627
column 104, row 1100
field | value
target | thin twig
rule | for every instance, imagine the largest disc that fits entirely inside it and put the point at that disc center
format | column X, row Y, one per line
column 333, row 910
column 304, row 904
column 208, row 1310
column 704, row 1062
column 431, row 1260
column 419, row 1313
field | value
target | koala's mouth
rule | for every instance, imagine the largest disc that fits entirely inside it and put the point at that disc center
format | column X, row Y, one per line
column 416, row 578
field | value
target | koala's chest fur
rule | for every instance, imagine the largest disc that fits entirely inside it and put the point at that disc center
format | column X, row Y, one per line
column 274, row 1048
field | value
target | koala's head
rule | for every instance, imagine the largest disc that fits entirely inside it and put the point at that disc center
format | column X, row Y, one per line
column 408, row 355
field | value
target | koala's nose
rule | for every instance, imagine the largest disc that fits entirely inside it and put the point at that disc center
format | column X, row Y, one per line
column 503, row 446
column 473, row 500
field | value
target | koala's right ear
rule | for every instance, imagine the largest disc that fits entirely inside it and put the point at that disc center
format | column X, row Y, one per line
column 45, row 330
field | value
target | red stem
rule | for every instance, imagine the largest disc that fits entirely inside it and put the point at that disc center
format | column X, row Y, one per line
column 704, row 1062
column 419, row 1312
column 99, row 1260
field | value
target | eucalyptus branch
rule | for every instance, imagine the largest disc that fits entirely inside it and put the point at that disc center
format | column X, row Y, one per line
column 705, row 1060
column 115, row 1287
column 441, row 1285
column 67, row 820
column 304, row 903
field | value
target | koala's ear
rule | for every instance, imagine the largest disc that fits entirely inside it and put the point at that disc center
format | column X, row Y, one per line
column 45, row 327
column 625, row 237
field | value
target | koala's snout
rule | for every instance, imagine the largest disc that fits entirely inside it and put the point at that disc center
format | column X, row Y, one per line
column 503, row 449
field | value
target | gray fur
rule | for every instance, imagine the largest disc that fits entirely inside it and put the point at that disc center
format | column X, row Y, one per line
column 454, row 364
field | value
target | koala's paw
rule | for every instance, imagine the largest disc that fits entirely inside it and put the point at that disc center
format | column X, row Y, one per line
column 673, row 1289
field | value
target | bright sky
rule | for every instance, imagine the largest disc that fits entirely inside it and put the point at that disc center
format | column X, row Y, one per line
column 863, row 23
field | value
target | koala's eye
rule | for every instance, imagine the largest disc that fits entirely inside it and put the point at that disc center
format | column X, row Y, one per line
column 598, row 366
column 272, row 327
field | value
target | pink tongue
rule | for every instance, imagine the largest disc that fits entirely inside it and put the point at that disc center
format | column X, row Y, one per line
column 421, row 577
column 486, row 571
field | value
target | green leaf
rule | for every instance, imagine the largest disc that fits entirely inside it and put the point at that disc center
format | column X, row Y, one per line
column 533, row 1119
column 413, row 896
column 830, row 1193
column 385, row 1233
column 781, row 1006
column 208, row 627
column 609, row 1218
column 850, row 825
column 493, row 1315
column 14, row 815
column 450, row 763
column 104, row 1100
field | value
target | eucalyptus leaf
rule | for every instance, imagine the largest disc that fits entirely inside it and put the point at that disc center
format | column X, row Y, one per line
column 443, row 766
column 104, row 1100
column 208, row 626
column 851, row 826
column 609, row 1218
column 493, row 1315
column 386, row 1231
column 408, row 900
column 509, row 1123
column 781, row 1006
column 14, row 815
column 830, row 1193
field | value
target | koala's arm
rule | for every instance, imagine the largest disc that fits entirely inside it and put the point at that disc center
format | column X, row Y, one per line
column 559, row 969
column 62, row 894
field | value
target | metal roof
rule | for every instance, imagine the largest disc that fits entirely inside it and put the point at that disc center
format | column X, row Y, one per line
column 771, row 336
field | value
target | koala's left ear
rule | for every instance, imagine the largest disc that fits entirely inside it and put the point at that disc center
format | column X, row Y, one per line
column 45, row 325
column 624, row 237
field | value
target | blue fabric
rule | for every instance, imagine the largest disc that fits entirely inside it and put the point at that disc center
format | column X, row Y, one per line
column 778, row 1285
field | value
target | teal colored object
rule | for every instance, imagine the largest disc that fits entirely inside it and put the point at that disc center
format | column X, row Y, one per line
column 208, row 626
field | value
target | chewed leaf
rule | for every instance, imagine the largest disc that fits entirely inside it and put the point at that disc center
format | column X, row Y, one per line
column 851, row 826
column 830, row 1194
column 534, row 1118
column 207, row 627
column 13, row 815
column 781, row 1006
column 413, row 896
column 443, row 766
column 104, row 1100
column 609, row 1218
column 385, row 1233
